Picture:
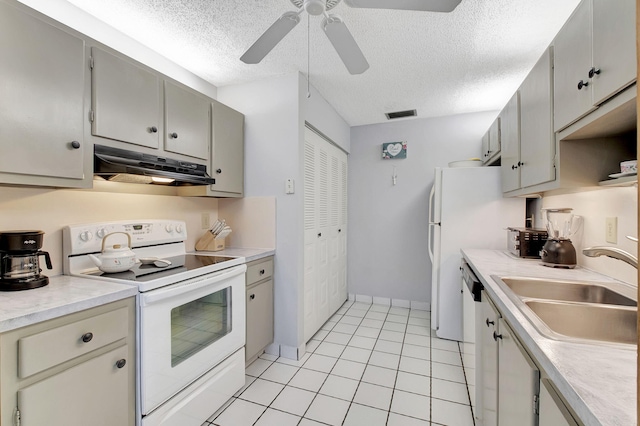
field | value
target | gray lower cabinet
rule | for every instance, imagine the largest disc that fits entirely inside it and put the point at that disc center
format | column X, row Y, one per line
column 259, row 298
column 41, row 101
column 508, row 377
column 75, row 370
column 552, row 409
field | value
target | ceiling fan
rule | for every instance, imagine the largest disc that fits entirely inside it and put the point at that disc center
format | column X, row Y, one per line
column 335, row 28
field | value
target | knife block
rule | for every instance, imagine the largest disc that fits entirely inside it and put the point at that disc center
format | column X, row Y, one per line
column 208, row 242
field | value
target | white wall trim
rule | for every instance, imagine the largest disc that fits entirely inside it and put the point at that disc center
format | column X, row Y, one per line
column 385, row 301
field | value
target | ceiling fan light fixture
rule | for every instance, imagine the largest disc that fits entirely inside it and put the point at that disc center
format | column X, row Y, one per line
column 314, row 7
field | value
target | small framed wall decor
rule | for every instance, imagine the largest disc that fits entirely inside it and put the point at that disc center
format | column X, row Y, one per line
column 394, row 150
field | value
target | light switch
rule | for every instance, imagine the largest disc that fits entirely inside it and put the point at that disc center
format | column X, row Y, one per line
column 289, row 187
column 611, row 232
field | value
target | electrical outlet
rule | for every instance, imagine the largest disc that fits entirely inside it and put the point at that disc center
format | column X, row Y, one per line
column 205, row 221
column 611, row 230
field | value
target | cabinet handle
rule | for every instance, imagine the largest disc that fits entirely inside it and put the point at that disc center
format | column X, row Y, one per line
column 339, row 230
column 153, row 129
column 319, row 234
column 261, row 271
column 87, row 337
column 218, row 171
column 520, row 163
column 582, row 84
column 594, row 71
column 173, row 135
column 513, row 167
column 121, row 363
column 75, row 144
column 252, row 296
column 497, row 336
column 490, row 322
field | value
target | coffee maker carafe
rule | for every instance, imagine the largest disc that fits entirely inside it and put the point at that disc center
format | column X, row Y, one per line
column 558, row 251
column 19, row 260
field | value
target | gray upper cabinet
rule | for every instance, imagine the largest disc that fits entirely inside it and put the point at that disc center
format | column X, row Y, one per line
column 126, row 101
column 41, row 102
column 491, row 143
column 186, row 122
column 594, row 57
column 510, row 129
column 227, row 163
column 537, row 139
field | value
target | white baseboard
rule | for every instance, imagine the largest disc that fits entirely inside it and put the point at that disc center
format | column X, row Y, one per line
column 385, row 301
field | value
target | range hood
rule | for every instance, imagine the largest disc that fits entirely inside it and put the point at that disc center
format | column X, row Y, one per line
column 121, row 165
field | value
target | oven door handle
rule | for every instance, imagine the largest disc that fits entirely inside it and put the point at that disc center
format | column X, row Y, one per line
column 174, row 290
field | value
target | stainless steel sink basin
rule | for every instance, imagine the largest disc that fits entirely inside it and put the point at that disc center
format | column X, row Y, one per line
column 605, row 323
column 571, row 291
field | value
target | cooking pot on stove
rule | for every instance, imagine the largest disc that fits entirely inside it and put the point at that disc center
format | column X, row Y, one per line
column 116, row 258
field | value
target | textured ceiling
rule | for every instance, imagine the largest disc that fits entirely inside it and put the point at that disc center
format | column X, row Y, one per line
column 472, row 59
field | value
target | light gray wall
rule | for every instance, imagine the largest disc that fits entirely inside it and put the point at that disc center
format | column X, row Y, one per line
column 387, row 240
column 275, row 113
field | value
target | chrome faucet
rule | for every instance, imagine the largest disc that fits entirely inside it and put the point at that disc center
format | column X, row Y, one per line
column 612, row 252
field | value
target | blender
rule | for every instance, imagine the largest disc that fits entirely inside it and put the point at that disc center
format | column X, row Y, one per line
column 558, row 251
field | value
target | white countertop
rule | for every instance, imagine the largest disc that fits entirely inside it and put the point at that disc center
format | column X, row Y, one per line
column 250, row 254
column 62, row 296
column 597, row 381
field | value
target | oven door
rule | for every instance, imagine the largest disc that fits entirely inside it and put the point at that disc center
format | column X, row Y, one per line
column 186, row 329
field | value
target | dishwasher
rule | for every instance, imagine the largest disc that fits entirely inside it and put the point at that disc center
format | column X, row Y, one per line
column 471, row 298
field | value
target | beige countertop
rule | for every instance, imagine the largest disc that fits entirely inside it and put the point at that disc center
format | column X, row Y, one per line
column 597, row 381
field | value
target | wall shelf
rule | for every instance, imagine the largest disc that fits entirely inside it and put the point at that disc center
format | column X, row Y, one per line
column 622, row 181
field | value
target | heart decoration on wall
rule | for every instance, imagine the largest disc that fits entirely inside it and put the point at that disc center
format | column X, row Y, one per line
column 394, row 150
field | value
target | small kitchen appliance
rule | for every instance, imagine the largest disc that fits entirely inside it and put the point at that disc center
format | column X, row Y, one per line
column 558, row 251
column 19, row 260
column 190, row 314
column 526, row 242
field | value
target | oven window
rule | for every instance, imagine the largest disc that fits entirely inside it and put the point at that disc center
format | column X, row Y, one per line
column 199, row 323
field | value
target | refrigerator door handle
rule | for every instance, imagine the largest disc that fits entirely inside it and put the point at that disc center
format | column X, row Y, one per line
column 429, row 244
column 432, row 194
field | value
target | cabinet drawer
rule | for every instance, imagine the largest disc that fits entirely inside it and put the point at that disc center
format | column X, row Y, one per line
column 259, row 271
column 66, row 342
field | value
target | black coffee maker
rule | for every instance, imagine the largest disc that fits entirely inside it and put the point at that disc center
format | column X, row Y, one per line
column 19, row 260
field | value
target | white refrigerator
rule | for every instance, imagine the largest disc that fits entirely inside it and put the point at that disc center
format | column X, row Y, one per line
column 466, row 210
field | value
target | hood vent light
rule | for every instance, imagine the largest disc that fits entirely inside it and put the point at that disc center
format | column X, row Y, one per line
column 401, row 114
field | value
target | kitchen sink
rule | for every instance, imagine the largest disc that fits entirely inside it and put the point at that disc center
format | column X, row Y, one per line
column 607, row 323
column 587, row 312
column 570, row 291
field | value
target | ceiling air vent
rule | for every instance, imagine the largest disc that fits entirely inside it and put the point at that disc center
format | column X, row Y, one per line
column 401, row 114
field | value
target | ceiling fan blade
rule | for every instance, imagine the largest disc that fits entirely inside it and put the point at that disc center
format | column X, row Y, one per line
column 345, row 44
column 267, row 41
column 420, row 5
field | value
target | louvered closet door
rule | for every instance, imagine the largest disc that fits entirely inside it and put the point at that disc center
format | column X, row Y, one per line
column 325, row 286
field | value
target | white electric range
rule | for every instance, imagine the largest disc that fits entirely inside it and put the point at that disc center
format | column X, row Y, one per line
column 190, row 317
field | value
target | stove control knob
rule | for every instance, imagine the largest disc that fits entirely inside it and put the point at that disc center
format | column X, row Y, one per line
column 169, row 228
column 179, row 229
column 86, row 236
column 101, row 233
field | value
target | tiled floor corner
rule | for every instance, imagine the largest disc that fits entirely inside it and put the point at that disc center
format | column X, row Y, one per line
column 369, row 365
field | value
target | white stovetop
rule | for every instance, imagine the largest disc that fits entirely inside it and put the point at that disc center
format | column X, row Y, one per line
column 597, row 381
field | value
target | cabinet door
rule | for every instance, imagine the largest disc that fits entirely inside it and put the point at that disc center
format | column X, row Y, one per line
column 95, row 392
column 125, row 100
column 259, row 317
column 510, row 131
column 186, row 122
column 494, row 137
column 227, row 163
column 614, row 47
column 518, row 380
column 552, row 409
column 489, row 363
column 573, row 58
column 485, row 147
column 42, row 87
column 537, row 139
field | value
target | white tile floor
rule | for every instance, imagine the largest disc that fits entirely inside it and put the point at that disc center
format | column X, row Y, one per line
column 369, row 365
